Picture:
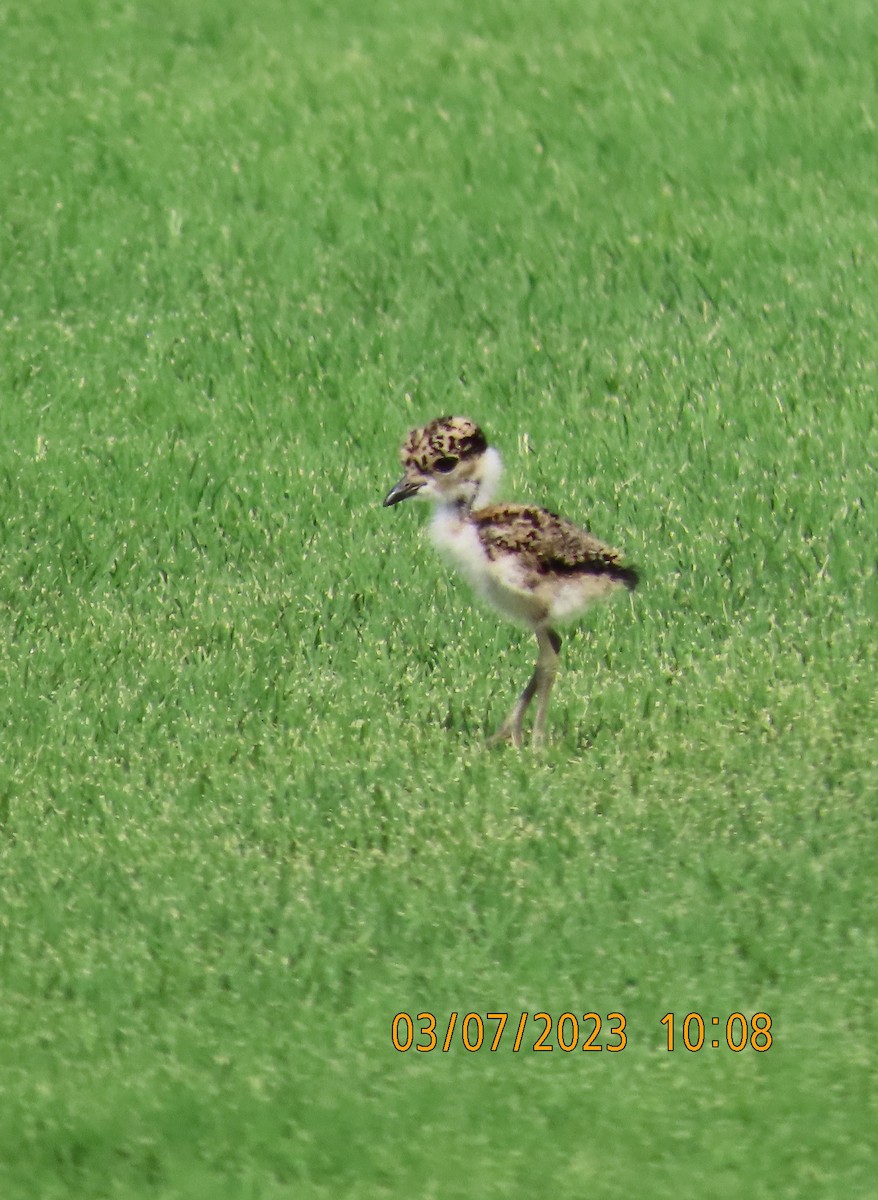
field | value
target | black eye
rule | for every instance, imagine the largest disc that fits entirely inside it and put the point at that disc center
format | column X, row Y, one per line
column 446, row 464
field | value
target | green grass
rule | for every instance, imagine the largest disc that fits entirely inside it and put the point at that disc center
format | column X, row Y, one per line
column 245, row 811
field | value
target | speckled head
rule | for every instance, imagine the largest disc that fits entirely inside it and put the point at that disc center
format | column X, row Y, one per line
column 448, row 461
column 446, row 437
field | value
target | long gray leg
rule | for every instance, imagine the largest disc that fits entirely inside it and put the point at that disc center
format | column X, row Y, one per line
column 547, row 668
column 511, row 727
column 539, row 684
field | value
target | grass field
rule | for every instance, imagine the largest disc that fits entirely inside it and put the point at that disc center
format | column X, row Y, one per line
column 246, row 815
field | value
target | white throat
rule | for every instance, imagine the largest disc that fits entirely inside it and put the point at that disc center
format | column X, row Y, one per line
column 491, row 468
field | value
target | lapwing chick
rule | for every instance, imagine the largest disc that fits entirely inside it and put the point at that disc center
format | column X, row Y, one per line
column 535, row 568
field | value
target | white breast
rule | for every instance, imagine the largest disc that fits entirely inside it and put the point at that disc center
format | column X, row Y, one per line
column 455, row 537
column 499, row 581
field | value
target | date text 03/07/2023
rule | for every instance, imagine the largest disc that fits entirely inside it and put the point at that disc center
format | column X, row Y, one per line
column 589, row 1031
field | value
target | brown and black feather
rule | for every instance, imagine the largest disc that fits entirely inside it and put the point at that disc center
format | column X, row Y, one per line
column 547, row 544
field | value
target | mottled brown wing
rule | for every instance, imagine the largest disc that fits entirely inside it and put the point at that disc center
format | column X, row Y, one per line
column 547, row 543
